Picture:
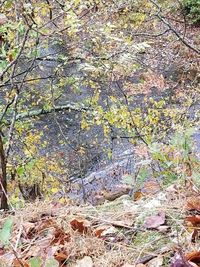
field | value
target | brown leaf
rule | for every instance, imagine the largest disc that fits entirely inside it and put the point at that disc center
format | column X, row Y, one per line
column 61, row 257
column 104, row 230
column 138, row 195
column 150, row 187
column 155, row 221
column 60, row 237
column 45, row 224
column 20, row 263
column 194, row 220
column 193, row 256
column 193, row 203
column 80, row 225
column 99, row 231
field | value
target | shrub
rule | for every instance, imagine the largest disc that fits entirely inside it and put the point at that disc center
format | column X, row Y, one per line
column 192, row 10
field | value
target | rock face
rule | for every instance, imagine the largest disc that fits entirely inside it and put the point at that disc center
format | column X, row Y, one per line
column 107, row 182
column 63, row 135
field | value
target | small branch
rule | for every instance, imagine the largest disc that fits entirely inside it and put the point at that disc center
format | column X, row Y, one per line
column 38, row 112
column 3, row 176
column 171, row 28
column 143, row 34
column 6, row 109
column 10, row 133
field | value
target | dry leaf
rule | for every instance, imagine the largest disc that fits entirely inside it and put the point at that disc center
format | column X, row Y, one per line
column 155, row 221
column 150, row 187
column 193, row 203
column 138, row 195
column 16, row 263
column 194, row 220
column 80, row 225
column 193, row 256
column 45, row 224
column 60, row 237
column 61, row 257
column 104, row 230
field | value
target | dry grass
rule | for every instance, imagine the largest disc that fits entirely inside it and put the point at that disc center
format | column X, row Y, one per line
column 128, row 242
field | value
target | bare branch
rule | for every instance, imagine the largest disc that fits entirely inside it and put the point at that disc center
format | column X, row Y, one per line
column 172, row 29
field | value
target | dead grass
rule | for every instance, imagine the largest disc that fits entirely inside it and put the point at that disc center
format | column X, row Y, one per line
column 128, row 242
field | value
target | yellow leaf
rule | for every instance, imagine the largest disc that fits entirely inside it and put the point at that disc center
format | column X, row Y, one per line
column 54, row 190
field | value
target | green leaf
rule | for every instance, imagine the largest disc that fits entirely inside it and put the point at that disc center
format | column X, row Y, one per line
column 52, row 263
column 5, row 233
column 35, row 262
column 20, row 171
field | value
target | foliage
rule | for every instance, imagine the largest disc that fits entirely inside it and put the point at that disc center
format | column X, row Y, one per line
column 192, row 10
column 97, row 54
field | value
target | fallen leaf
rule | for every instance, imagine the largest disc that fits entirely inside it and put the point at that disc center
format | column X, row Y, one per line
column 193, row 256
column 150, row 187
column 45, row 224
column 80, row 225
column 155, row 221
column 20, row 263
column 193, row 203
column 85, row 262
column 138, row 195
column 61, row 257
column 194, row 220
column 104, row 230
column 60, row 237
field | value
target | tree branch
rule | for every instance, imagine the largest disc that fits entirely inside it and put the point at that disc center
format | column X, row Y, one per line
column 42, row 111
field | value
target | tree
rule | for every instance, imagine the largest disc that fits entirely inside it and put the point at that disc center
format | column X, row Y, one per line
column 104, row 42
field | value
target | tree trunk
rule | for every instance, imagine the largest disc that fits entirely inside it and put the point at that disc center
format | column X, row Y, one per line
column 3, row 177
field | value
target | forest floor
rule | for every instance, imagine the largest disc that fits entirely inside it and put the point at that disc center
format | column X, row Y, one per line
column 156, row 229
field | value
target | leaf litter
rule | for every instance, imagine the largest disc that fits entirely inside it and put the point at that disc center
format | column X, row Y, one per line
column 161, row 229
